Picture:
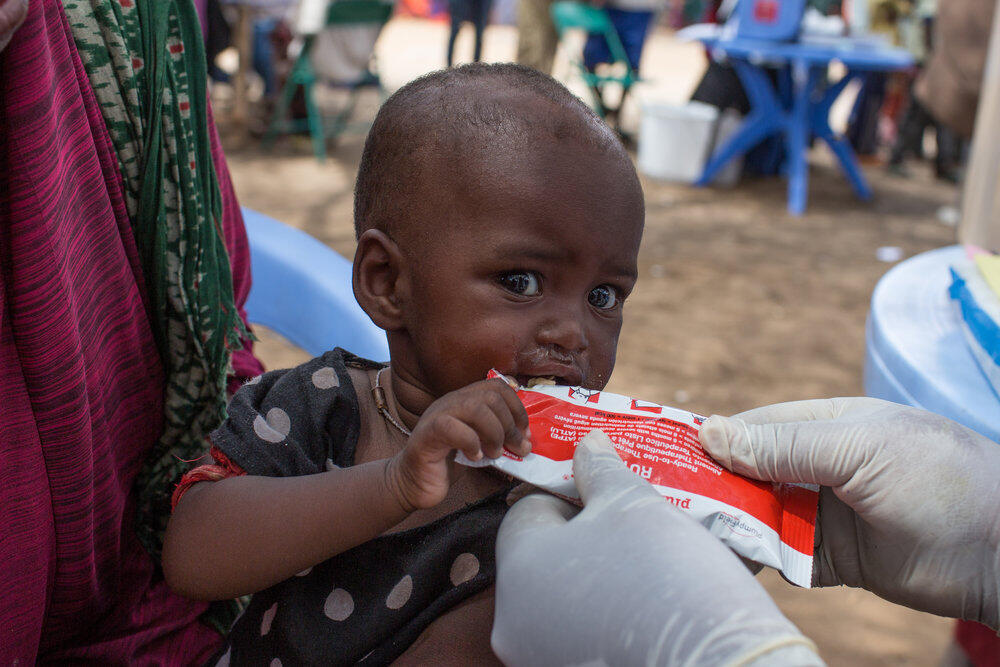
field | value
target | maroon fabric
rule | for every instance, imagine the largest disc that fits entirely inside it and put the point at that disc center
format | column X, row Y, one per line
column 980, row 644
column 81, row 385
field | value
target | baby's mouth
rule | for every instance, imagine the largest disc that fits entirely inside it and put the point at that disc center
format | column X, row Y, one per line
column 549, row 367
column 539, row 380
column 526, row 380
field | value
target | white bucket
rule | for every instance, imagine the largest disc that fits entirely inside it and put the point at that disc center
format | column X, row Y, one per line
column 675, row 141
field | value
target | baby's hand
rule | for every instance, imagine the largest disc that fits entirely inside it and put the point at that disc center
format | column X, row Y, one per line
column 480, row 419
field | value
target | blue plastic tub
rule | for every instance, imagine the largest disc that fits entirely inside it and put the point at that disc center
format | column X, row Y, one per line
column 916, row 352
column 302, row 290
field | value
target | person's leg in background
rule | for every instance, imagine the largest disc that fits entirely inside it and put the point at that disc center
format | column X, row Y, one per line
column 595, row 51
column 632, row 27
column 948, row 158
column 456, row 10
column 480, row 19
column 910, row 136
column 862, row 127
column 263, row 54
column 537, row 38
column 216, row 33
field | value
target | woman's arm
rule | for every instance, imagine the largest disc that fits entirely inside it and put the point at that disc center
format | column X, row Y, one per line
column 243, row 534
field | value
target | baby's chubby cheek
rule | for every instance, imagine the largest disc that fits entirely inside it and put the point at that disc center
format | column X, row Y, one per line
column 599, row 370
column 597, row 380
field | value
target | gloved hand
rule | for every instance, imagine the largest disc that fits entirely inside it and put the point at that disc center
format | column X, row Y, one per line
column 628, row 580
column 909, row 500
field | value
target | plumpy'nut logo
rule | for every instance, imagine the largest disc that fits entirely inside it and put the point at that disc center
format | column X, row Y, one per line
column 739, row 526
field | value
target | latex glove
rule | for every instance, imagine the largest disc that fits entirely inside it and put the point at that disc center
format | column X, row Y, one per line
column 627, row 580
column 909, row 504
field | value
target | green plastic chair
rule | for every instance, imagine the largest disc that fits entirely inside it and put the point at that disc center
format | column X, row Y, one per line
column 303, row 76
column 568, row 16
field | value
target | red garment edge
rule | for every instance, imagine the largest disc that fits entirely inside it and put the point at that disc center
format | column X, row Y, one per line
column 980, row 644
column 222, row 469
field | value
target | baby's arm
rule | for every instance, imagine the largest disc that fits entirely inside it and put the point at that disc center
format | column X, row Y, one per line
column 243, row 534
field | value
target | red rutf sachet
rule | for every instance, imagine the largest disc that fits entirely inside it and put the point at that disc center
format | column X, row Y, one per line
column 772, row 524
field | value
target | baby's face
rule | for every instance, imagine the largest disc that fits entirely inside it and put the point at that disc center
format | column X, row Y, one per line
column 529, row 272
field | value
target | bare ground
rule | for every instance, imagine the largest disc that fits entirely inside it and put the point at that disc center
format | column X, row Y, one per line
column 738, row 305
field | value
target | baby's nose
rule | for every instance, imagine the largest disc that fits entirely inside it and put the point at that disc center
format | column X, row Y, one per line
column 564, row 331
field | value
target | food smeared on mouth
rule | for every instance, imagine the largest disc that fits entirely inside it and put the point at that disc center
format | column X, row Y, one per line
column 529, row 381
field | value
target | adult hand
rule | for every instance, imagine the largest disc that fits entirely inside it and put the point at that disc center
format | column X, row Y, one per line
column 908, row 508
column 12, row 13
column 627, row 580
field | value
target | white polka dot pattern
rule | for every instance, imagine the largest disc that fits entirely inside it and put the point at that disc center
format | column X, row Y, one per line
column 465, row 567
column 325, row 378
column 400, row 593
column 265, row 622
column 307, row 418
column 339, row 605
column 274, row 427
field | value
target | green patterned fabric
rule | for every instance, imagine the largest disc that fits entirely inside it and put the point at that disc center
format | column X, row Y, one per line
column 146, row 63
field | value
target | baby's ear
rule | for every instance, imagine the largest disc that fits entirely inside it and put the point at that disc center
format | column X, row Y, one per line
column 378, row 278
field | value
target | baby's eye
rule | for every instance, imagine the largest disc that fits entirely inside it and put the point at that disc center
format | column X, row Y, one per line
column 524, row 283
column 604, row 297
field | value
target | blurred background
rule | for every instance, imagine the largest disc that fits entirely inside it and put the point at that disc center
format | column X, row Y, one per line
column 754, row 289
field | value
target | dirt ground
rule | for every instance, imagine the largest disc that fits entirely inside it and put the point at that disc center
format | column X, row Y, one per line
column 738, row 304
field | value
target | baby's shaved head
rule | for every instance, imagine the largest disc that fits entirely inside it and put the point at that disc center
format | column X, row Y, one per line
column 444, row 126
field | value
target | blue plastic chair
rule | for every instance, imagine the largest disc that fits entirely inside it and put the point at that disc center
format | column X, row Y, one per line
column 302, row 290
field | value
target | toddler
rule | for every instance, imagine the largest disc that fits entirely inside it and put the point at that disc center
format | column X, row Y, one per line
column 498, row 224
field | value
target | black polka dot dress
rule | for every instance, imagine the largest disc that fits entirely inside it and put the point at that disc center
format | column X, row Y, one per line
column 366, row 605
